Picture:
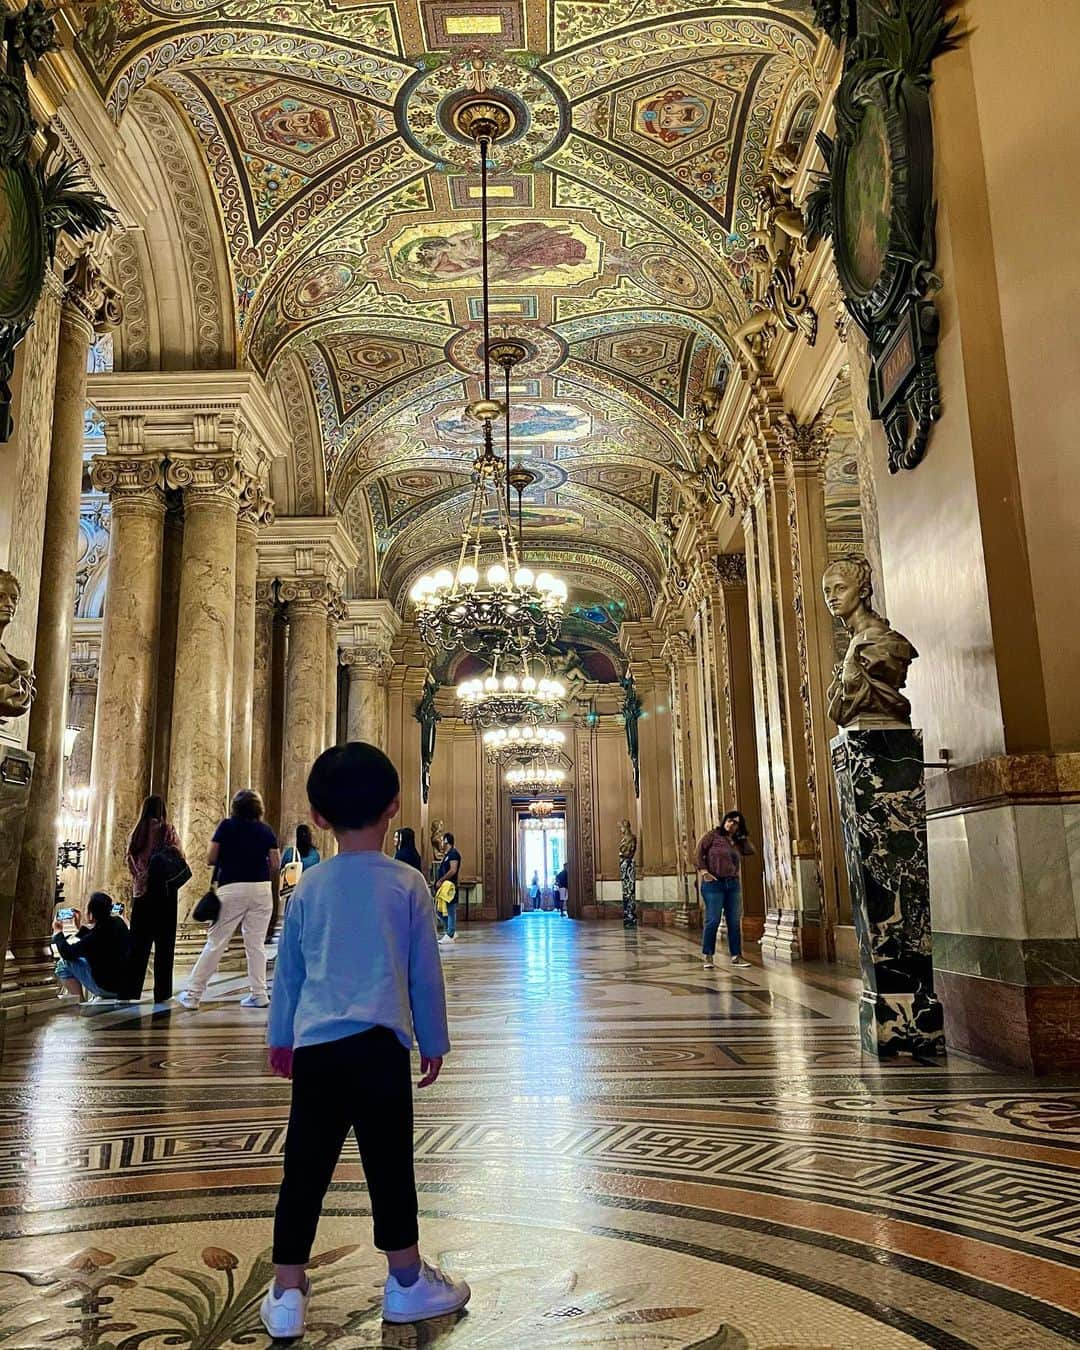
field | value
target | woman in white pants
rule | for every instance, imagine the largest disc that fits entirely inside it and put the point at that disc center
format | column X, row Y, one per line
column 247, row 861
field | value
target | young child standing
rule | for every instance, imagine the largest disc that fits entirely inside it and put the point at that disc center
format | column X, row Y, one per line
column 358, row 970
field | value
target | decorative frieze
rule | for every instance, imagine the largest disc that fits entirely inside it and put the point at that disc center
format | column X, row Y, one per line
column 730, row 568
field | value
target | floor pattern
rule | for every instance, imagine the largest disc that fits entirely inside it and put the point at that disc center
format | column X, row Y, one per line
column 623, row 1150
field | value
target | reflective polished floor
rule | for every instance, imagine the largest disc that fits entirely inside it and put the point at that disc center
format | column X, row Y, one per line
column 624, row 1150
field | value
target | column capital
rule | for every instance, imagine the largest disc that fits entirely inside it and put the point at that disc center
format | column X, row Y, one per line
column 205, row 477
column 804, row 445
column 89, row 299
column 256, row 506
column 133, row 481
column 307, row 595
column 369, row 624
column 366, row 662
column 730, row 570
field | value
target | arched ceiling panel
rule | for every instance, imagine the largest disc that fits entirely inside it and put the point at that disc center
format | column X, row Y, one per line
column 620, row 227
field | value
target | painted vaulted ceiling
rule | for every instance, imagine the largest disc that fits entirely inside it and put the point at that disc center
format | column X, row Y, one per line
column 620, row 218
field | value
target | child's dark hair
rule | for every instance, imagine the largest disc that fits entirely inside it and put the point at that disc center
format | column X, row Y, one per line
column 99, row 906
column 351, row 785
column 449, row 838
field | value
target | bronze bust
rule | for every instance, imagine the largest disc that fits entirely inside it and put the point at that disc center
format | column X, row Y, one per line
column 865, row 688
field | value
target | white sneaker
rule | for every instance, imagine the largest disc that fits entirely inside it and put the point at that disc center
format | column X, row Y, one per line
column 433, row 1295
column 738, row 961
column 66, row 996
column 283, row 1316
column 707, row 962
column 443, row 937
column 187, row 999
column 254, row 1001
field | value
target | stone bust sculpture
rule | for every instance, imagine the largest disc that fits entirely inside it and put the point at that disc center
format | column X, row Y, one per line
column 865, row 688
column 16, row 677
column 436, row 831
column 627, row 841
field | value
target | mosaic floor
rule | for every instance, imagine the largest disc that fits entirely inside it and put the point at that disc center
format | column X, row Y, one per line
column 624, row 1150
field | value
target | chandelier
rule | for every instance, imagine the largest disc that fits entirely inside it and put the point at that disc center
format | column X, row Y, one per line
column 500, row 698
column 535, row 778
column 523, row 743
column 541, row 810
column 491, row 602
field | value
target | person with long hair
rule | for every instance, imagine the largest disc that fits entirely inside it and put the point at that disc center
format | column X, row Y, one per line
column 155, row 859
column 246, row 861
column 719, row 859
column 302, row 851
column 405, row 849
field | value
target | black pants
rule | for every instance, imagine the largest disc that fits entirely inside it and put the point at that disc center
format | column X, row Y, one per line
column 153, row 924
column 363, row 1082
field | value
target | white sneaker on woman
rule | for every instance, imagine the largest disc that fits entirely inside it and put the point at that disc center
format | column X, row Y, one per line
column 254, row 1001
column 187, row 999
column 283, row 1315
column 433, row 1295
column 738, row 961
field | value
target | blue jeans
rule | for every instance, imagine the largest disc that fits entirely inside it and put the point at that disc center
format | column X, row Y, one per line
column 723, row 900
column 78, row 968
column 451, row 918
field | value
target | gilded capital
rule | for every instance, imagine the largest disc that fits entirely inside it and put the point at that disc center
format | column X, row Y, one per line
column 366, row 661
column 804, row 444
column 730, row 568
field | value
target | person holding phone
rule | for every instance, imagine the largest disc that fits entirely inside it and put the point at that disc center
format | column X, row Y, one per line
column 719, row 860
column 98, row 958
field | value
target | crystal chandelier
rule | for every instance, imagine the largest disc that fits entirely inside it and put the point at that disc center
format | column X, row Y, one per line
column 535, row 778
column 489, row 603
column 541, row 810
column 523, row 743
column 508, row 697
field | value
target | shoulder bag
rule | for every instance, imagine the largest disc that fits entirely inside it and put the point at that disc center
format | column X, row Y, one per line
column 208, row 906
column 293, row 869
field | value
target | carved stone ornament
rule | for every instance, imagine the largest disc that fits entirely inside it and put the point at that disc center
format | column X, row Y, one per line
column 298, row 592
column 778, row 245
column 866, row 685
column 877, row 203
column 16, row 676
column 731, row 568
column 36, row 202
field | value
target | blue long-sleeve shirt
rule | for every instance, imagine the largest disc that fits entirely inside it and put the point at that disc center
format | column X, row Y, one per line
column 358, row 950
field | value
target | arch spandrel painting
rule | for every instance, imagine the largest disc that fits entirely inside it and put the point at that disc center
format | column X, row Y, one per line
column 621, row 212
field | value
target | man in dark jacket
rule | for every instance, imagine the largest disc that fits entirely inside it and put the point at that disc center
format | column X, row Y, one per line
column 98, row 958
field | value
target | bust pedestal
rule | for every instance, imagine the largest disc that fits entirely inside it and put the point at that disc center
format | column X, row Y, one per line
column 16, row 772
column 882, row 792
column 628, row 875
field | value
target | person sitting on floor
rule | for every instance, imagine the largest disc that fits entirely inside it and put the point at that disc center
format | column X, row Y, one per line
column 98, row 958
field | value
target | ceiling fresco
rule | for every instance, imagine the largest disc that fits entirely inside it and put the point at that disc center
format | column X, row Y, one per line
column 621, row 206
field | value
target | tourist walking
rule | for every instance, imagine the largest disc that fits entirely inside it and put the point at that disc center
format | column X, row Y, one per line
column 300, row 855
column 246, row 861
column 357, row 974
column 155, row 859
column 449, row 870
column 719, row 859
column 562, row 889
column 405, row 849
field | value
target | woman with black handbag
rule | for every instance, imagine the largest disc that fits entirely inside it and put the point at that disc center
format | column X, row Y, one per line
column 247, row 863
column 153, row 923
column 155, row 859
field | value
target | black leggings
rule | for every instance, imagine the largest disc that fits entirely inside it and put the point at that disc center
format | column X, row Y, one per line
column 363, row 1082
column 153, row 924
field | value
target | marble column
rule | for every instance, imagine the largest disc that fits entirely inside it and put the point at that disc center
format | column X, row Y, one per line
column 84, row 298
column 255, row 510
column 202, row 694
column 331, row 679
column 882, row 791
column 307, row 606
column 262, row 687
column 367, row 694
column 172, row 557
column 124, row 726
column 82, row 711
